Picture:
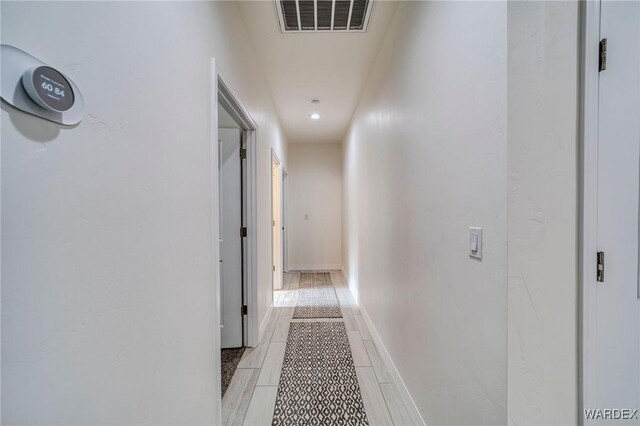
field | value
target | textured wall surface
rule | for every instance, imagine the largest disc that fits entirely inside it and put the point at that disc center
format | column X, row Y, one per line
column 543, row 81
column 108, row 309
column 425, row 159
column 315, row 206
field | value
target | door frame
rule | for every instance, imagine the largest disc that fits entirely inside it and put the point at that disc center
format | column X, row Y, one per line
column 589, row 84
column 284, row 215
column 274, row 157
column 223, row 94
column 588, row 244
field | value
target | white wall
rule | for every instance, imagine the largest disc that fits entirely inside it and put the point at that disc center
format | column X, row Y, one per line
column 425, row 159
column 108, row 311
column 542, row 85
column 315, row 191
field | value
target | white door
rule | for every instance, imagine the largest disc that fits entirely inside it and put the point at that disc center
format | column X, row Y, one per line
column 617, row 357
column 230, row 239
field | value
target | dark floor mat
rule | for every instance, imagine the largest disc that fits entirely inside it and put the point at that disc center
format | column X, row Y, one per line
column 230, row 360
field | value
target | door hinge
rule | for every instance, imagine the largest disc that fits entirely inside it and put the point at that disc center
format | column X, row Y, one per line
column 274, row 268
column 243, row 153
column 600, row 271
column 244, row 310
column 603, row 55
column 243, row 232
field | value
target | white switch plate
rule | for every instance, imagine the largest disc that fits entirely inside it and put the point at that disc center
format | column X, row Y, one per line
column 475, row 242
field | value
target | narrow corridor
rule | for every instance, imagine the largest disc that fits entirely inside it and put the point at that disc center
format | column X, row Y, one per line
column 252, row 397
column 320, row 212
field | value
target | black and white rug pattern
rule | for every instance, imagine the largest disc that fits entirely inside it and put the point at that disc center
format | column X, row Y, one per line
column 318, row 384
column 316, row 297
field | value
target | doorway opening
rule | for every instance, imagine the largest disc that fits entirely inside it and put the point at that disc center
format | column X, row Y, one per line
column 234, row 220
column 282, row 296
column 231, row 170
column 285, row 229
column 277, row 251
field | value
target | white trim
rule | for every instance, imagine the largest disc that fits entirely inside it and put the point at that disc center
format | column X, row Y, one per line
column 215, row 232
column 386, row 358
column 346, row 276
column 589, row 203
column 384, row 354
column 223, row 94
column 253, row 335
column 316, row 267
column 285, row 217
column 241, row 115
column 265, row 321
column 346, row 279
column 274, row 157
column 235, row 107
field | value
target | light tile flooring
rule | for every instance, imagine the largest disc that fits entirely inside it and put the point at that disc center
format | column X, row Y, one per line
column 251, row 397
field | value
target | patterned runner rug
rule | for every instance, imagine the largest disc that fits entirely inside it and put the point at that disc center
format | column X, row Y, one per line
column 318, row 384
column 316, row 297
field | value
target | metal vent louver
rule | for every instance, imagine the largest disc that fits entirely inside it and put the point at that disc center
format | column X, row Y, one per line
column 324, row 15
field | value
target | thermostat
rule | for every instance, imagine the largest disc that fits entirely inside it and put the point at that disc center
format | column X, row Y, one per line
column 39, row 89
column 48, row 88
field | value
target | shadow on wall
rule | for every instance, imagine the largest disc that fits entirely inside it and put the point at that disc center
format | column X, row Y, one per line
column 33, row 128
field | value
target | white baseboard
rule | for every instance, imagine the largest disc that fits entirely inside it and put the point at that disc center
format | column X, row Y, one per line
column 264, row 323
column 386, row 358
column 322, row 267
column 346, row 281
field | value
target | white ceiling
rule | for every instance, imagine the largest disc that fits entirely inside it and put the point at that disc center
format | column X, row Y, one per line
column 332, row 67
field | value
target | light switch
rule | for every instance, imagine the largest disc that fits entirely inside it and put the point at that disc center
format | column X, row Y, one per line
column 473, row 246
column 475, row 242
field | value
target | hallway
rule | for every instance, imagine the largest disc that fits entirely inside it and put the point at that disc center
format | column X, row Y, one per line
column 411, row 212
column 251, row 397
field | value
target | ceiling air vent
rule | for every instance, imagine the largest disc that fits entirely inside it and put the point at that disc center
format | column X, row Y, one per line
column 324, row 15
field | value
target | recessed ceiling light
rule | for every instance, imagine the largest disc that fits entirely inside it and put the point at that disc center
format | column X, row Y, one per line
column 314, row 116
column 315, row 101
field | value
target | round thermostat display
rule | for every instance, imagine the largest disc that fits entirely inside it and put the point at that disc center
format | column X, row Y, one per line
column 48, row 88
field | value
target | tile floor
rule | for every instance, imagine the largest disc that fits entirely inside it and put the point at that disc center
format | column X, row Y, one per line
column 251, row 396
